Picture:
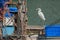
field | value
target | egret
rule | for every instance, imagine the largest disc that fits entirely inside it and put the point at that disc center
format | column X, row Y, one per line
column 40, row 13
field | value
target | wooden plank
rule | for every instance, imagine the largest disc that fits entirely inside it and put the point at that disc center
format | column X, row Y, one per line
column 34, row 27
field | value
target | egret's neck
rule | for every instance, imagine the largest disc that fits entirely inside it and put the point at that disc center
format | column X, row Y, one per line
column 39, row 10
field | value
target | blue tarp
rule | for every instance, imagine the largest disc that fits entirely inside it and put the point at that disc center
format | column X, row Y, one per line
column 52, row 30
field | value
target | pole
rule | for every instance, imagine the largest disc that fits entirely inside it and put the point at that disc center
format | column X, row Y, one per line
column 22, row 14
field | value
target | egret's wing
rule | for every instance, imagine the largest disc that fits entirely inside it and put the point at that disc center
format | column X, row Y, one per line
column 41, row 15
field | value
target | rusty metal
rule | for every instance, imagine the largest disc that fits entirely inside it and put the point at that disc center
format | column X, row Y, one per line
column 21, row 19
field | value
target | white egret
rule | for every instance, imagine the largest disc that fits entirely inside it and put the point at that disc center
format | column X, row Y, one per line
column 40, row 13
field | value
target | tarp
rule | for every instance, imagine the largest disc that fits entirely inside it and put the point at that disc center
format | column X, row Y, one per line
column 52, row 30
